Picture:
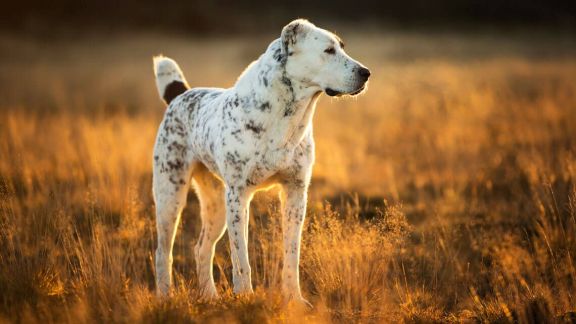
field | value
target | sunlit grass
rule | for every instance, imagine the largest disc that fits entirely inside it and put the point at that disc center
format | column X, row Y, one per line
column 445, row 193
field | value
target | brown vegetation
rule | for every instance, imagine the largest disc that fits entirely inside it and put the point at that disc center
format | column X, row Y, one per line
column 446, row 193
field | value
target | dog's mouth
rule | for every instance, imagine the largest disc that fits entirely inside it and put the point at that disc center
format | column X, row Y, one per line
column 359, row 90
column 335, row 93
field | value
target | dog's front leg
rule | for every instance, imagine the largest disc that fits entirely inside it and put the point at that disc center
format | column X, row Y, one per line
column 294, row 211
column 237, row 201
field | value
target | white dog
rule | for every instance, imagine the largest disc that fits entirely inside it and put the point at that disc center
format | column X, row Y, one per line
column 233, row 142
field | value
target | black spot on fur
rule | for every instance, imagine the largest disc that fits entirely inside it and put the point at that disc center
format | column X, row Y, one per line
column 173, row 90
column 265, row 107
column 286, row 81
column 177, row 164
column 277, row 55
column 256, row 128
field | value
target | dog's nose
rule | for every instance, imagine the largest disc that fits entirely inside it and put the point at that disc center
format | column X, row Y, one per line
column 364, row 72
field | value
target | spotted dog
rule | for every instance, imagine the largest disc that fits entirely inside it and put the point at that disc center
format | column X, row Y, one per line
column 230, row 143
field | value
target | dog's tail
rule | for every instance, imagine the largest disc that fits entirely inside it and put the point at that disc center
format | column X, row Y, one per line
column 170, row 81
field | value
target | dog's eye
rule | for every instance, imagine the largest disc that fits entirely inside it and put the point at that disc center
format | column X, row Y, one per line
column 330, row 50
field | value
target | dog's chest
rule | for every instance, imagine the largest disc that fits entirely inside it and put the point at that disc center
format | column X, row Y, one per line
column 239, row 153
column 267, row 160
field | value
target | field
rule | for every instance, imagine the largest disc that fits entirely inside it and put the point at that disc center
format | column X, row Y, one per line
column 446, row 193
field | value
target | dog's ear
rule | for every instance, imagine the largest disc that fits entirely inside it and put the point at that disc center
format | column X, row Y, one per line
column 293, row 32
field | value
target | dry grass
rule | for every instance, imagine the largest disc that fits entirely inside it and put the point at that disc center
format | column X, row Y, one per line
column 461, row 161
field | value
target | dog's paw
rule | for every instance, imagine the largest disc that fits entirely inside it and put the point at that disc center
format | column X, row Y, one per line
column 208, row 295
column 303, row 303
column 298, row 302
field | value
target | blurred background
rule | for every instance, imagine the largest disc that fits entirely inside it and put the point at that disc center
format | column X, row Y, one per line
column 237, row 17
column 445, row 193
column 431, row 60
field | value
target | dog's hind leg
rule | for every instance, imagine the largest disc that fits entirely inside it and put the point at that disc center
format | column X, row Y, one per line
column 210, row 191
column 170, row 186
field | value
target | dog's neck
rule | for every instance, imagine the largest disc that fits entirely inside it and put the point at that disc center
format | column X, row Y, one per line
column 282, row 104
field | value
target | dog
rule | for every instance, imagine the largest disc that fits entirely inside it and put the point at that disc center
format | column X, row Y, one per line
column 229, row 143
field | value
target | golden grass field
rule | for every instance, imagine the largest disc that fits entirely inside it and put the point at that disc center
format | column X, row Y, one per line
column 446, row 193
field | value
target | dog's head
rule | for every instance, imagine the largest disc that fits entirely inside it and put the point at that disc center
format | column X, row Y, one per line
column 316, row 56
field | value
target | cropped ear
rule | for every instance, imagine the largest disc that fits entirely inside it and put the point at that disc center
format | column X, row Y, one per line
column 294, row 32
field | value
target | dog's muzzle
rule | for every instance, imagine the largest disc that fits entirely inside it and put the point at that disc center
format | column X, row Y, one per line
column 363, row 75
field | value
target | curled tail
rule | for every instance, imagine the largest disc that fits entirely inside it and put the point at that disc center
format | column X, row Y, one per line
column 170, row 81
